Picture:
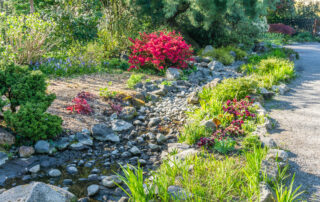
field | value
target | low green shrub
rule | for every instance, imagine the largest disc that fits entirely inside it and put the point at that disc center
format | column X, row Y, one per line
column 222, row 55
column 134, row 79
column 32, row 123
column 25, row 91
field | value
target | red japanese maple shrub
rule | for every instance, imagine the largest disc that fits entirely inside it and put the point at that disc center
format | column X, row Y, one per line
column 160, row 50
column 282, row 29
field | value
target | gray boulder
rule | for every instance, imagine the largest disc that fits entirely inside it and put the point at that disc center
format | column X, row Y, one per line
column 103, row 133
column 35, row 192
column 121, row 125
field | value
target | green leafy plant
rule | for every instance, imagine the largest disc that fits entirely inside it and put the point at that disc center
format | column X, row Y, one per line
column 106, row 93
column 225, row 146
column 166, row 83
column 134, row 79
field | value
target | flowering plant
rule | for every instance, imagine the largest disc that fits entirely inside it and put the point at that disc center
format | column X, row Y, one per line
column 161, row 50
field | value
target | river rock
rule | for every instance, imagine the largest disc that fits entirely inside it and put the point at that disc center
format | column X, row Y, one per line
column 193, row 98
column 54, row 173
column 36, row 192
column 72, row 170
column 121, row 125
column 135, row 150
column 154, row 121
column 93, row 189
column 207, row 49
column 43, row 147
column 62, row 143
column 6, row 138
column 35, row 169
column 25, row 151
column 103, row 133
column 84, row 139
column 128, row 113
column 109, row 181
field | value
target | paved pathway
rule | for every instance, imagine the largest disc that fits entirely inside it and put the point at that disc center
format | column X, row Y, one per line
column 298, row 120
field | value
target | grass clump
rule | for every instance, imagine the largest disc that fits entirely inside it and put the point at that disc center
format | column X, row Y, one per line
column 134, row 79
column 271, row 71
column 210, row 179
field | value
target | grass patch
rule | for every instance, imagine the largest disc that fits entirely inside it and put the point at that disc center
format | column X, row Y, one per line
column 231, row 179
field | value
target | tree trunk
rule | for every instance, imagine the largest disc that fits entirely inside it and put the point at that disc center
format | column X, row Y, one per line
column 31, row 6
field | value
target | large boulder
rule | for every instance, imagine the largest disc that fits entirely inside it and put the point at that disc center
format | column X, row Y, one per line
column 6, row 138
column 104, row 133
column 35, row 192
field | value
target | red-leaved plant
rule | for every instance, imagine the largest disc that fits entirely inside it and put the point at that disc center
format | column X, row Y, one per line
column 161, row 50
column 80, row 103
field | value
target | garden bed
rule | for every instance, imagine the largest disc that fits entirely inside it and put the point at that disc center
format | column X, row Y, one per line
column 68, row 88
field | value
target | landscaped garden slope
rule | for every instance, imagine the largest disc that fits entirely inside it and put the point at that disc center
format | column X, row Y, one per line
column 125, row 100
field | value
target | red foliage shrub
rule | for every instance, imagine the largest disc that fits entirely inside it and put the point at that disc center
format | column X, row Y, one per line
column 80, row 105
column 281, row 28
column 161, row 50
